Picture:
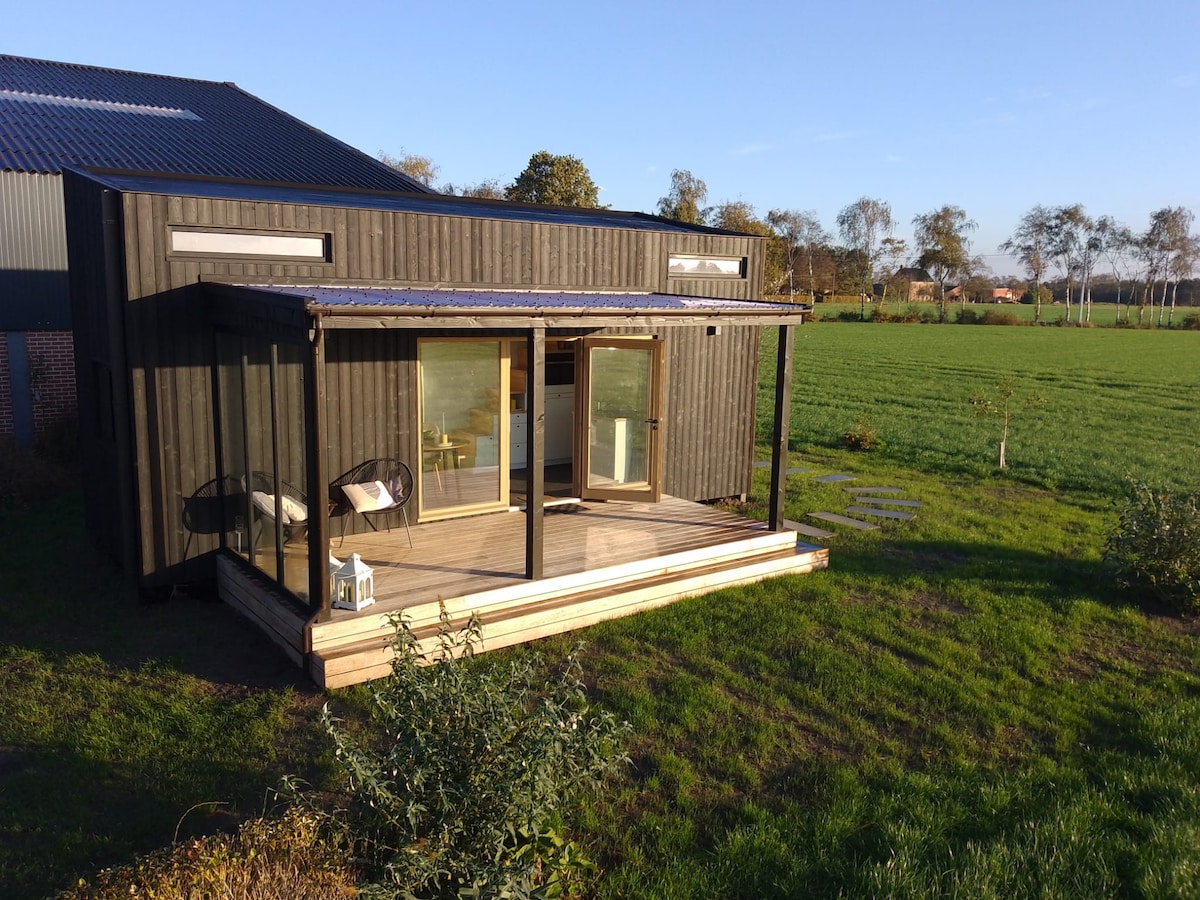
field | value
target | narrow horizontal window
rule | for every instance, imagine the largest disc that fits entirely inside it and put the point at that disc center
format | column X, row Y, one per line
column 226, row 243
column 707, row 266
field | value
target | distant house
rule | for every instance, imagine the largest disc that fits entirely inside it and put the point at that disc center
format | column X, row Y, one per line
column 918, row 283
column 55, row 115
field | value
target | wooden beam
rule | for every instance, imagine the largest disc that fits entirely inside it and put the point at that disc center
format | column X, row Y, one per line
column 535, row 459
column 317, row 475
column 782, row 425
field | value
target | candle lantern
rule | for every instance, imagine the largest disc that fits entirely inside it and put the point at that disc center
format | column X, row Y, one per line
column 354, row 585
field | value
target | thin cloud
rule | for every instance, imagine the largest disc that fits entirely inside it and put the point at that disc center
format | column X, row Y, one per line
column 747, row 149
column 1187, row 80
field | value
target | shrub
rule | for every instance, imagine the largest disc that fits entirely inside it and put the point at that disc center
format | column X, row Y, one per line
column 1191, row 322
column 862, row 437
column 1155, row 547
column 456, row 787
column 268, row 859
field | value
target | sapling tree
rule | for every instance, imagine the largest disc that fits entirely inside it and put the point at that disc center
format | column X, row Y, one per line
column 1002, row 405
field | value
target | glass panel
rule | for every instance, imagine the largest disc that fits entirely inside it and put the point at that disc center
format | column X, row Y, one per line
column 265, row 512
column 233, row 444
column 461, row 384
column 728, row 266
column 289, row 406
column 619, row 405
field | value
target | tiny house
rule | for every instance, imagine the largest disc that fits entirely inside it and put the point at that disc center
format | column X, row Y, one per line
column 507, row 410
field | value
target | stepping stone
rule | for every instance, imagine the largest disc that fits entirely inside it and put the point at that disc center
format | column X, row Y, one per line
column 887, row 500
column 808, row 530
column 798, row 471
column 765, row 463
column 761, row 463
column 844, row 520
column 829, row 479
column 876, row 490
column 885, row 513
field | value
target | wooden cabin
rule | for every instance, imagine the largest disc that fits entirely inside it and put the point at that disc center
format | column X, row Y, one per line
column 565, row 388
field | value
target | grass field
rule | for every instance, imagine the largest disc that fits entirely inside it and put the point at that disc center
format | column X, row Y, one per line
column 962, row 705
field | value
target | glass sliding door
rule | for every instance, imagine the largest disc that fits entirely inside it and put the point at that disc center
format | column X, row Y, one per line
column 620, row 402
column 464, row 399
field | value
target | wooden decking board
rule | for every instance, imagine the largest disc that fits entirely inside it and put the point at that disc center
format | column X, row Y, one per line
column 371, row 658
column 807, row 530
column 844, row 520
column 874, row 490
column 882, row 513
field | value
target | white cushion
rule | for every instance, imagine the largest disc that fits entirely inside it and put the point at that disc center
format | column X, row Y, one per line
column 371, row 496
column 294, row 509
column 266, row 505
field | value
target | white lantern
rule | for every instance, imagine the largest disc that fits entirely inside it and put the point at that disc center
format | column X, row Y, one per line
column 354, row 585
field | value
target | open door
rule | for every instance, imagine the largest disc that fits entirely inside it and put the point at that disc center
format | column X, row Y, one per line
column 619, row 413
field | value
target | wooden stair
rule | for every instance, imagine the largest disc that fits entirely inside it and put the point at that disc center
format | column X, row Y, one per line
column 358, row 649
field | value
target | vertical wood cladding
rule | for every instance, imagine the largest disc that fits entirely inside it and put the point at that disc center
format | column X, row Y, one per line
column 423, row 249
column 370, row 375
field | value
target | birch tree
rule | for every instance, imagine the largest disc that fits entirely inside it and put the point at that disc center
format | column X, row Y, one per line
column 864, row 224
column 685, row 201
column 1031, row 243
column 1114, row 243
column 798, row 231
column 945, row 251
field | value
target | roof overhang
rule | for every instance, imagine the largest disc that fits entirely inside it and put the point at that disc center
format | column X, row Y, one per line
column 355, row 306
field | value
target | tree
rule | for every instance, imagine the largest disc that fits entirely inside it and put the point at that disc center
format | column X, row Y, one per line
column 1175, row 250
column 797, row 231
column 892, row 252
column 1069, row 229
column 1114, row 242
column 489, row 189
column 685, row 202
column 1003, row 408
column 740, row 216
column 556, row 180
column 864, row 224
column 1030, row 243
column 945, row 252
column 418, row 168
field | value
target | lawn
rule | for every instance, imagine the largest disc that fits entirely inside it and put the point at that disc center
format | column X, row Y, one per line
column 961, row 705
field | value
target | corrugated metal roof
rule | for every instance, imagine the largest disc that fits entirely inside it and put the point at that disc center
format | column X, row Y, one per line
column 398, row 300
column 56, row 114
column 436, row 204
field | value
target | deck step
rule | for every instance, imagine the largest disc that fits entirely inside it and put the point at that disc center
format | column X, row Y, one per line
column 882, row 513
column 844, row 520
column 515, row 624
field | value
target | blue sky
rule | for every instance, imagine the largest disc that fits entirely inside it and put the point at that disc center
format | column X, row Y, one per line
column 991, row 107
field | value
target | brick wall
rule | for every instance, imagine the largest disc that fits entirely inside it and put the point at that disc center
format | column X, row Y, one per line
column 6, row 408
column 51, row 377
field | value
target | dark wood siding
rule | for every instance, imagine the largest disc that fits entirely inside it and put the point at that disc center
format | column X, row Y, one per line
column 370, row 374
column 433, row 250
column 709, row 398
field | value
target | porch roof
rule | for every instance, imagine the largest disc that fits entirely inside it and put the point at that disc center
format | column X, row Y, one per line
column 359, row 306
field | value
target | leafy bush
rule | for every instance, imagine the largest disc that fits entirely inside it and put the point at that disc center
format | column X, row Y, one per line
column 1155, row 547
column 862, row 437
column 1191, row 322
column 457, row 786
column 268, row 859
column 990, row 316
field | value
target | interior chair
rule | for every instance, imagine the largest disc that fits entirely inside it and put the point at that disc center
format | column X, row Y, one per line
column 205, row 512
column 377, row 487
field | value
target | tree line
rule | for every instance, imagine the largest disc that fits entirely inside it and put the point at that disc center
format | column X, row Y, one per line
column 1059, row 246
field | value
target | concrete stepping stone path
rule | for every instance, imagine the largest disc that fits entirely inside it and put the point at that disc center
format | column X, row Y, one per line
column 832, row 479
column 889, row 501
column 873, row 490
column 844, row 520
column 883, row 513
column 809, row 530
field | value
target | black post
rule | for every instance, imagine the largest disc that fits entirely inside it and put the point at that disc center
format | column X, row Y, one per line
column 535, row 343
column 782, row 424
column 316, row 475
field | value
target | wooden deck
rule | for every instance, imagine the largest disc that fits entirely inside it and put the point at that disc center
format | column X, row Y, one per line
column 602, row 561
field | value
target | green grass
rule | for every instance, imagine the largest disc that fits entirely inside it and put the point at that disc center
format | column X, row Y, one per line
column 962, row 705
column 1103, row 314
column 1118, row 403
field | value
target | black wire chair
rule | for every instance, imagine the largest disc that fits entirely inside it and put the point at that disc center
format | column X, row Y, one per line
column 395, row 476
column 205, row 512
